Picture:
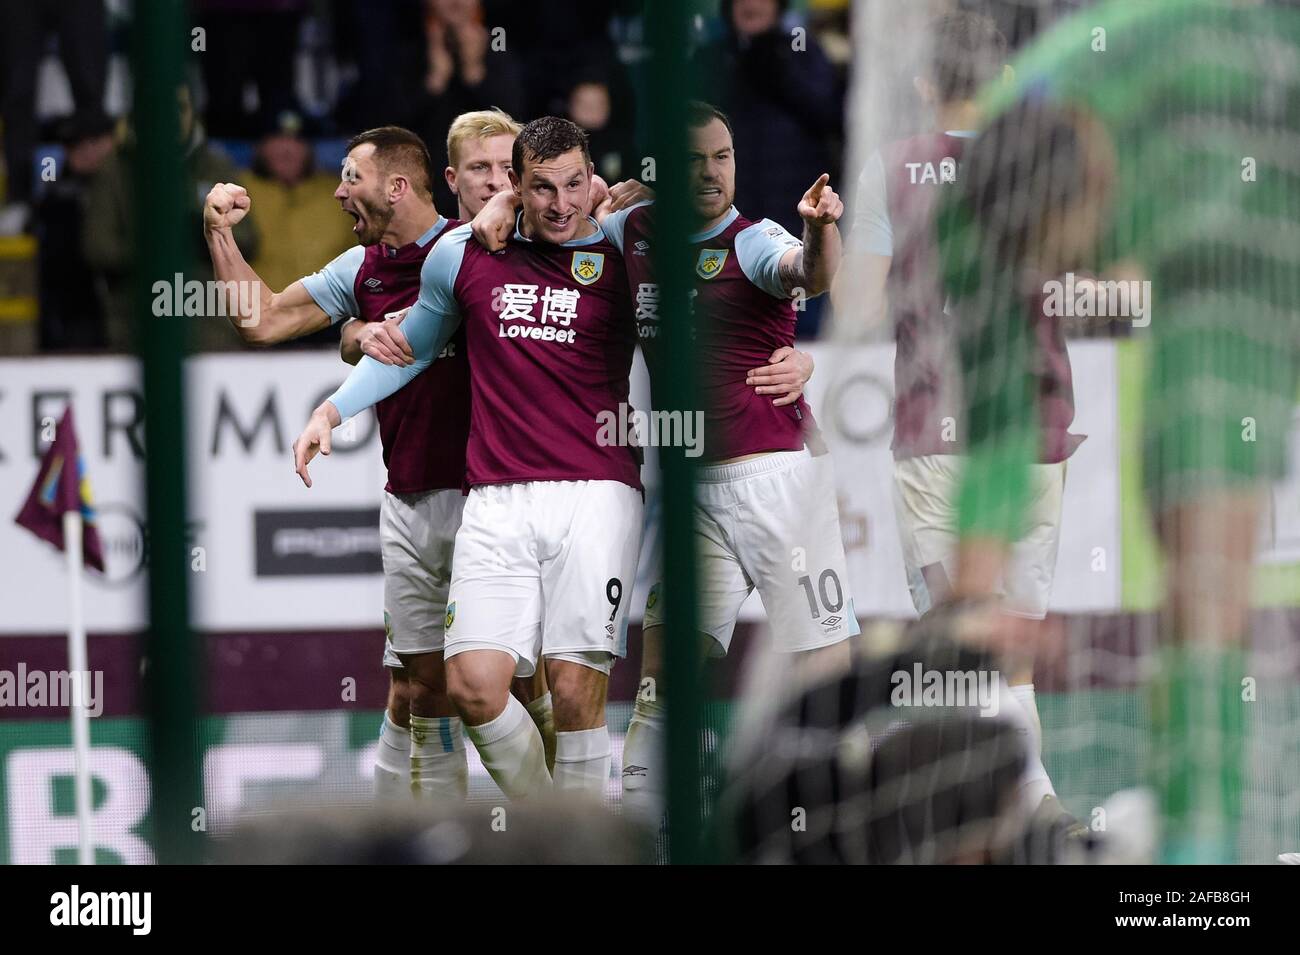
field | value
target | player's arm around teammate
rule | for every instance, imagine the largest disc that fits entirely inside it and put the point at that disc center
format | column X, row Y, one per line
column 494, row 223
column 382, row 341
column 788, row 370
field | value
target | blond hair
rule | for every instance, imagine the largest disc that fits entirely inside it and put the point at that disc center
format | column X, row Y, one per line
column 479, row 124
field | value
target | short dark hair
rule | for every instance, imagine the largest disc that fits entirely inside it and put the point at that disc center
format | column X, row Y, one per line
column 546, row 138
column 969, row 50
column 397, row 148
column 700, row 113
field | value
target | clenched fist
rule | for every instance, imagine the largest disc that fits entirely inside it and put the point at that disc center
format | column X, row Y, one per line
column 225, row 206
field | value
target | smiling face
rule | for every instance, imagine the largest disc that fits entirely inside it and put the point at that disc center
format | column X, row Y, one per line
column 555, row 193
column 362, row 193
column 482, row 170
column 713, row 171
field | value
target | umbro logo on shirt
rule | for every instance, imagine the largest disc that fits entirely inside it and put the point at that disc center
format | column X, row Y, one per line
column 640, row 247
column 373, row 284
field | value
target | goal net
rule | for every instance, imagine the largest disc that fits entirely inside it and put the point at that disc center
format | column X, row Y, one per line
column 1060, row 383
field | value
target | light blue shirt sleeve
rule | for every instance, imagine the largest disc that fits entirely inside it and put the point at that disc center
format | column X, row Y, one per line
column 429, row 325
column 334, row 286
column 872, row 230
column 616, row 222
column 759, row 249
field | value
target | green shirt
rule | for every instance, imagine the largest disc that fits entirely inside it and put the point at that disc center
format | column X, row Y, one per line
column 1198, row 102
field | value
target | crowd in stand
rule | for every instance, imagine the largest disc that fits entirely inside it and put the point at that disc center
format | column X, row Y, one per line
column 276, row 86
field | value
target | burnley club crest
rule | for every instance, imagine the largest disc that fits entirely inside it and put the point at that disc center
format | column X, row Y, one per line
column 587, row 266
column 710, row 262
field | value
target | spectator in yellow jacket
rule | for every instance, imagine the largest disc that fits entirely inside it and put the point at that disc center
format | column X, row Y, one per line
column 299, row 221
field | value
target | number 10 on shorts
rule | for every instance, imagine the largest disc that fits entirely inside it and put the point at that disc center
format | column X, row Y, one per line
column 828, row 581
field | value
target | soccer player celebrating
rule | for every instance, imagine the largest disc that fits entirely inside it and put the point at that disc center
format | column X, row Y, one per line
column 386, row 187
column 546, row 552
column 895, row 257
column 766, row 512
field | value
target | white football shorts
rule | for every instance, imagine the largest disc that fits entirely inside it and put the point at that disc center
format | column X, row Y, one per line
column 770, row 523
column 925, row 503
column 417, row 534
column 545, row 568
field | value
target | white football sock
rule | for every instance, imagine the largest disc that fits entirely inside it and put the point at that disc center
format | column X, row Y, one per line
column 1024, row 695
column 393, row 761
column 1034, row 784
column 582, row 761
column 439, row 766
column 643, row 762
column 512, row 751
column 544, row 717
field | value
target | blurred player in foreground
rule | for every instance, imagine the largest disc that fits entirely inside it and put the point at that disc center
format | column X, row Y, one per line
column 937, row 786
column 1159, row 160
column 546, row 552
column 386, row 188
column 894, row 256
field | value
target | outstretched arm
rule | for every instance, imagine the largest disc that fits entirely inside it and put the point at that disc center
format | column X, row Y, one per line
column 428, row 327
column 428, row 332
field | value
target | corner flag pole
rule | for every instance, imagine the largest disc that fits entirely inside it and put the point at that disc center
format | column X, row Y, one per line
column 59, row 512
column 79, row 670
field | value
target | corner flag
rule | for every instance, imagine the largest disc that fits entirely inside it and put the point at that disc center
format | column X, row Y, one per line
column 61, row 486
